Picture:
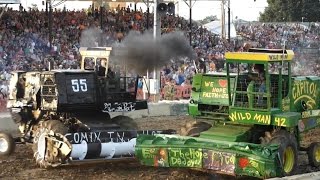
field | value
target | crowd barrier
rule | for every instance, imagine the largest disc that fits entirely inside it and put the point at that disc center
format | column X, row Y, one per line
column 3, row 105
column 167, row 93
column 176, row 92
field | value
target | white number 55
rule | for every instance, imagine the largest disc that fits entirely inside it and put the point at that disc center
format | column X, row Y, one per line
column 79, row 85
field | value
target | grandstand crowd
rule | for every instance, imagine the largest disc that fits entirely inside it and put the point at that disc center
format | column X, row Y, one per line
column 24, row 41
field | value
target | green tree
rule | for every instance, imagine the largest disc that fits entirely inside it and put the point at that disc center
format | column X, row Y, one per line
column 291, row 10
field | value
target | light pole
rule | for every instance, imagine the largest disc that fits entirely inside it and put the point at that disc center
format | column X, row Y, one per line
column 50, row 24
column 148, row 13
column 101, row 14
column 147, row 3
column 229, row 21
column 190, row 23
column 190, row 5
column 156, row 20
column 223, row 22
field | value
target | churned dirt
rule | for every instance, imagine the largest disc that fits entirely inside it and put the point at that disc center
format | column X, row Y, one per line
column 21, row 164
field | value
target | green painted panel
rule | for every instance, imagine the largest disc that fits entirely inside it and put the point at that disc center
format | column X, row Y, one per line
column 286, row 119
column 211, row 89
column 214, row 90
column 256, row 168
column 228, row 132
column 185, row 157
column 250, row 117
column 221, row 156
column 157, row 157
column 196, row 82
column 305, row 90
column 193, row 109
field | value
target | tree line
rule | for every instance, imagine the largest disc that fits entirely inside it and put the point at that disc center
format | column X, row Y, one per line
column 291, row 11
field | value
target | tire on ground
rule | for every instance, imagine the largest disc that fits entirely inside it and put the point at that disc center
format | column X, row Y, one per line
column 194, row 129
column 7, row 144
column 125, row 122
column 288, row 151
column 314, row 154
column 46, row 126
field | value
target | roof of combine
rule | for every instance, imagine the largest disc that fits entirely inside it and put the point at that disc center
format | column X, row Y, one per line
column 260, row 55
column 71, row 70
column 100, row 52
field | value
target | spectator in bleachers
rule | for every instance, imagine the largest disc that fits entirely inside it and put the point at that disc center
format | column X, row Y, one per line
column 24, row 42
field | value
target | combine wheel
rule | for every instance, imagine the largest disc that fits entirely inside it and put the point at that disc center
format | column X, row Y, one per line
column 314, row 154
column 39, row 146
column 7, row 144
column 288, row 150
column 194, row 128
column 125, row 122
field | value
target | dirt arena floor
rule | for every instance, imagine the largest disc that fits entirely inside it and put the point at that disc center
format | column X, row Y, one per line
column 21, row 164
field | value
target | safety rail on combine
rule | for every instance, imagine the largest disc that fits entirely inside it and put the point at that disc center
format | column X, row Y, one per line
column 255, row 120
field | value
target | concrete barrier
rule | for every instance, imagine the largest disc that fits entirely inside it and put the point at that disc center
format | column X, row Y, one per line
column 7, row 124
column 162, row 108
column 307, row 176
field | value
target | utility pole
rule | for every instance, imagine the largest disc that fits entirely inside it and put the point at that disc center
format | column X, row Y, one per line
column 50, row 24
column 101, row 23
column 223, row 24
column 223, row 21
column 190, row 23
column 101, row 15
column 46, row 7
column 147, row 3
column 229, row 22
column 148, row 13
column 190, row 19
column 156, row 20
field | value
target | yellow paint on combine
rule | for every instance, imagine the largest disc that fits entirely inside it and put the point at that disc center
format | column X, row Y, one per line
column 265, row 57
column 100, row 52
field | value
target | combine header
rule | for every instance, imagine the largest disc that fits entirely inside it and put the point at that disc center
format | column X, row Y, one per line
column 255, row 119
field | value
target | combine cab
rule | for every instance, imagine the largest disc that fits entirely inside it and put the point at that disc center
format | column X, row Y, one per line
column 256, row 118
column 52, row 109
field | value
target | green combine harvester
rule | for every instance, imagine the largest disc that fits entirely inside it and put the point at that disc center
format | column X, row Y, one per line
column 251, row 120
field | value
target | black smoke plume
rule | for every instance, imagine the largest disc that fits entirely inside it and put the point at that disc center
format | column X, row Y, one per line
column 141, row 52
column 90, row 37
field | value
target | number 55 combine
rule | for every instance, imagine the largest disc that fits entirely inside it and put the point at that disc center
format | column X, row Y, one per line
column 53, row 107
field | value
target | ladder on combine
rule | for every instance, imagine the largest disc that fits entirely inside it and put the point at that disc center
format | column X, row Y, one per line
column 48, row 89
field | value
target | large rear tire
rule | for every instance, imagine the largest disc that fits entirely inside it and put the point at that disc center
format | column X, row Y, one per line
column 194, row 129
column 314, row 154
column 125, row 122
column 288, row 151
column 7, row 144
column 38, row 146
